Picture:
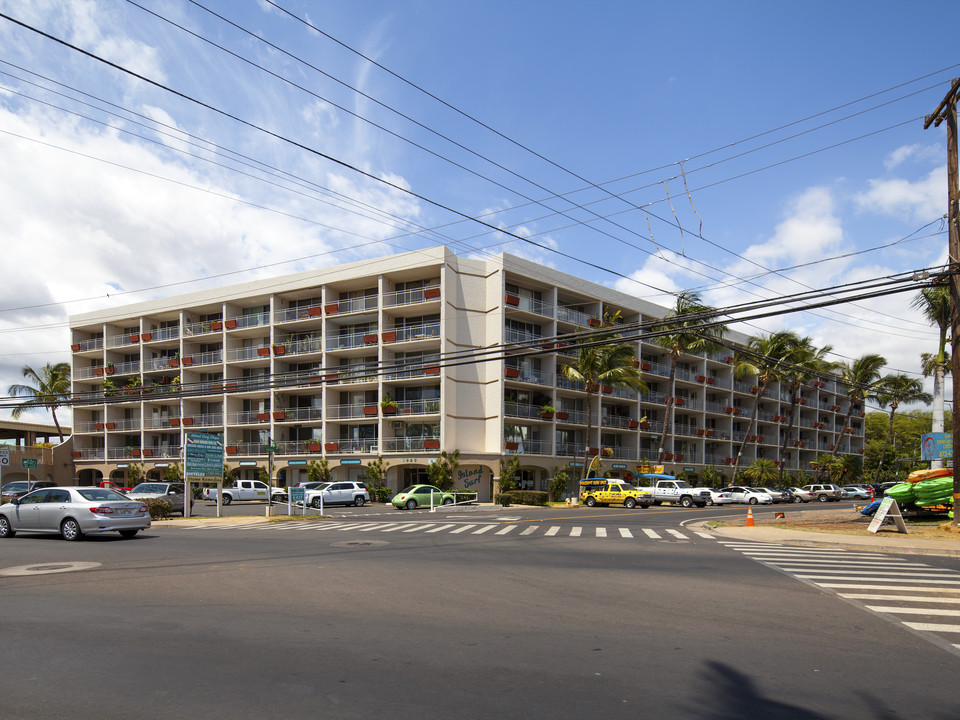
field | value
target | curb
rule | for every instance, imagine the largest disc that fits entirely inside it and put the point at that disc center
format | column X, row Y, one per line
column 902, row 545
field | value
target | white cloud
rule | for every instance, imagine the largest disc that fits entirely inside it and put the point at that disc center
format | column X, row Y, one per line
column 921, row 201
column 917, row 153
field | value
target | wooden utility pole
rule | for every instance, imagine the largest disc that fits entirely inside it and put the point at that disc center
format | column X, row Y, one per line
column 947, row 110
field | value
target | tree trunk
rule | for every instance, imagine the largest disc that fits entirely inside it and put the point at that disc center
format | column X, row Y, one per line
column 585, row 472
column 843, row 430
column 750, row 427
column 668, row 415
column 886, row 440
column 786, row 437
column 939, row 377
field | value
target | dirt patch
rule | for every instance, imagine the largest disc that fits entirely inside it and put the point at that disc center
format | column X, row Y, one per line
column 851, row 522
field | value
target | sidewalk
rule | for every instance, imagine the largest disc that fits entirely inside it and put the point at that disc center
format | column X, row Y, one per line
column 884, row 541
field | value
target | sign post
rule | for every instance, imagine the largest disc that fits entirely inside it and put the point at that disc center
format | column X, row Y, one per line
column 4, row 461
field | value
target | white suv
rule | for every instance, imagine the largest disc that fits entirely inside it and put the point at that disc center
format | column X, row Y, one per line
column 825, row 493
column 343, row 493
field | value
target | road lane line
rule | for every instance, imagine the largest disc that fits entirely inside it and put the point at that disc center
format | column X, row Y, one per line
column 904, row 598
column 554, row 529
column 483, row 529
column 575, row 531
column 933, row 627
column 651, row 534
column 677, row 534
column 529, row 530
column 442, row 527
column 625, row 533
column 913, row 611
column 505, row 530
column 462, row 528
column 601, row 532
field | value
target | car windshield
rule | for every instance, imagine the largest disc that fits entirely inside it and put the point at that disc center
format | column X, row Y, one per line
column 100, row 494
column 150, row 488
column 409, row 489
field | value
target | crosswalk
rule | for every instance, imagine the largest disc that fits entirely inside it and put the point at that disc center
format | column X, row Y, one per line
column 498, row 529
column 919, row 596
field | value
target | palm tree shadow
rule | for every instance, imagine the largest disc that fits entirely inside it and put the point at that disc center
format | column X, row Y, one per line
column 736, row 696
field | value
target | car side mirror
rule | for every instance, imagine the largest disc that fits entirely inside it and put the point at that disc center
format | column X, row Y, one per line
column 15, row 501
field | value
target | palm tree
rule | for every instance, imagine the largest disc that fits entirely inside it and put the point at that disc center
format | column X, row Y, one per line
column 862, row 379
column 49, row 388
column 893, row 390
column 602, row 364
column 688, row 328
column 760, row 472
column 934, row 305
column 804, row 362
column 764, row 358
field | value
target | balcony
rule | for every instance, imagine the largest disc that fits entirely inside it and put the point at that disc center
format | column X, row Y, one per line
column 517, row 410
column 302, row 312
column 528, row 304
column 411, row 444
column 411, row 297
column 352, row 340
column 574, row 317
column 409, row 333
column 304, row 414
column 525, row 375
column 303, row 346
column 368, row 446
column 247, row 321
column 347, row 412
column 528, row 447
column 418, row 407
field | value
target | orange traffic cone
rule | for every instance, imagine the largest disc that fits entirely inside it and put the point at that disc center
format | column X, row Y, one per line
column 750, row 517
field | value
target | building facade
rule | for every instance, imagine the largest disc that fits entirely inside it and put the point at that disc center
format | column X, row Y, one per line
column 405, row 356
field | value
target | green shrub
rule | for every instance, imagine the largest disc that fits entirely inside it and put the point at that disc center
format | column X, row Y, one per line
column 502, row 499
column 523, row 497
column 462, row 496
column 381, row 493
column 160, row 508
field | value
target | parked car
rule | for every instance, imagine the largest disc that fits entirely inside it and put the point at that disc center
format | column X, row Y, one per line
column 854, row 492
column 775, row 495
column 743, row 494
column 173, row 492
column 719, row 497
column 799, row 495
column 337, row 493
column 73, row 512
column 18, row 488
column 421, row 496
column 826, row 492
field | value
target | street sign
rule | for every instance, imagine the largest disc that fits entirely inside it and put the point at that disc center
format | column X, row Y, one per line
column 936, row 446
column 4, row 457
column 29, row 463
column 203, row 456
column 297, row 494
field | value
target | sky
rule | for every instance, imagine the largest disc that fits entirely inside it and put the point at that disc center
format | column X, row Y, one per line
column 650, row 147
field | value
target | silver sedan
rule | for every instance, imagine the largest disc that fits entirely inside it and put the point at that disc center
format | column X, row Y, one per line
column 73, row 512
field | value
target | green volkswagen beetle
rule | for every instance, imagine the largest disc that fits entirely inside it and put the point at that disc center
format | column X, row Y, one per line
column 421, row 496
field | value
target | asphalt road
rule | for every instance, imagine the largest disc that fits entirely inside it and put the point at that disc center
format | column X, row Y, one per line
column 311, row 620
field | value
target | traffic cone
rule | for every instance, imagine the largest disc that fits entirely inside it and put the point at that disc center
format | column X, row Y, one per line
column 750, row 517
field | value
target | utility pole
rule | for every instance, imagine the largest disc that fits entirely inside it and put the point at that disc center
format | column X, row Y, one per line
column 947, row 110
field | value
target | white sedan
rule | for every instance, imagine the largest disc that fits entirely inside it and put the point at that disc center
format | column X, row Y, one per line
column 719, row 497
column 73, row 512
column 742, row 494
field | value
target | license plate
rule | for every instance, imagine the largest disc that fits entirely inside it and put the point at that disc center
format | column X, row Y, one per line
column 127, row 512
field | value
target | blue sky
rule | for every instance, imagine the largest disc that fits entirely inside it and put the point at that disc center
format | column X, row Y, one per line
column 575, row 126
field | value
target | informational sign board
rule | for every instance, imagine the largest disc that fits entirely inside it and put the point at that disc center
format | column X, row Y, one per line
column 650, row 469
column 203, row 456
column 29, row 463
column 4, row 458
column 936, row 446
column 888, row 509
column 297, row 494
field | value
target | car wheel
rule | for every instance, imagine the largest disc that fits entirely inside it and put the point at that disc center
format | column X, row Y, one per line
column 411, row 504
column 710, row 502
column 797, row 500
column 591, row 502
column 70, row 530
column 128, row 533
column 630, row 503
column 448, row 501
column 753, row 501
column 5, row 529
column 315, row 503
column 278, row 498
column 822, row 498
column 686, row 501
column 226, row 500
column 358, row 501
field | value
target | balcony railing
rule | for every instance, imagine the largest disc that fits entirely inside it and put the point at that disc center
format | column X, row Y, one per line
column 251, row 320
column 528, row 447
column 408, row 333
column 345, row 412
column 302, row 312
column 411, row 297
column 411, row 444
column 351, row 340
column 248, row 353
column 303, row 414
column 418, row 407
column 575, row 417
column 303, row 346
column 525, row 375
column 357, row 446
column 575, row 317
column 512, row 335
column 529, row 304
column 206, row 327
column 358, row 304
column 521, row 410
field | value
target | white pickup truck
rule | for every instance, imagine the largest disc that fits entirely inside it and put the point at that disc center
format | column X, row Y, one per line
column 666, row 488
column 246, row 490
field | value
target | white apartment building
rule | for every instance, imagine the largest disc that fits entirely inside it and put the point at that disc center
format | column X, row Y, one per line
column 402, row 357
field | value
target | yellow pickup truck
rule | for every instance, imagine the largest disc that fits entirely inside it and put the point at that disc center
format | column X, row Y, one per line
column 602, row 491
